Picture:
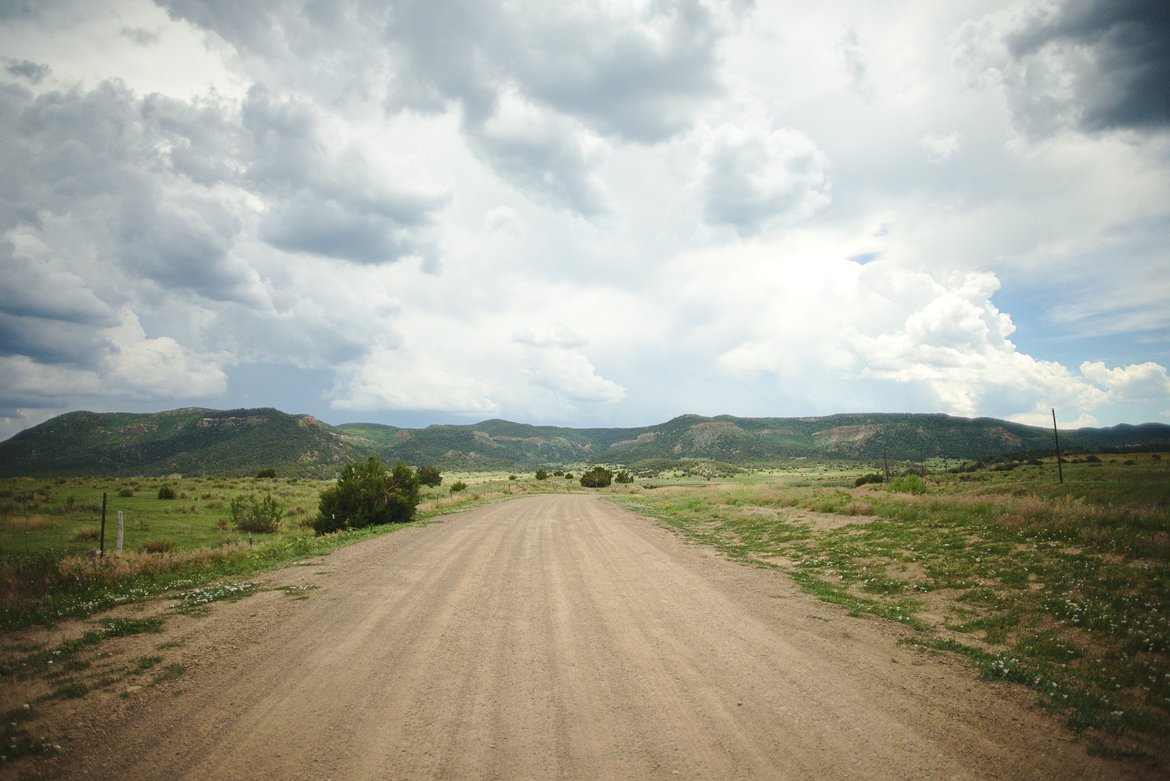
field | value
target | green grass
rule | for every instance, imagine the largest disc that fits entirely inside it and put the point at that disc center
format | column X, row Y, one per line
column 64, row 514
column 1062, row 588
column 47, row 571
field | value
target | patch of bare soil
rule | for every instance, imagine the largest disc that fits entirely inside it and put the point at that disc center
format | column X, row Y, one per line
column 826, row 521
column 545, row 637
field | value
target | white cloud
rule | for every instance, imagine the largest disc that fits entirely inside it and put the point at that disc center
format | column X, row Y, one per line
column 753, row 177
column 407, row 380
column 1137, row 382
column 128, row 365
column 546, row 155
column 941, row 147
column 585, row 212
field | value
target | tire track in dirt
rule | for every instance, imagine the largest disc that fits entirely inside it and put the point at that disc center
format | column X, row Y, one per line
column 562, row 637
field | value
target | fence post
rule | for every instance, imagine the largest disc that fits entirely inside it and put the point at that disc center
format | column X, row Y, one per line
column 120, row 529
column 102, row 536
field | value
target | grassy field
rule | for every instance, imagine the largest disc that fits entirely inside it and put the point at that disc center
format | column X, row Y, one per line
column 1061, row 588
column 51, row 528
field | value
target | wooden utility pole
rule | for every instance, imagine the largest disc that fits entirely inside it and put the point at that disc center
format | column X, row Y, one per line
column 1056, row 435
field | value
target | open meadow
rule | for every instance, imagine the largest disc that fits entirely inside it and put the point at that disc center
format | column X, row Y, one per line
column 1063, row 588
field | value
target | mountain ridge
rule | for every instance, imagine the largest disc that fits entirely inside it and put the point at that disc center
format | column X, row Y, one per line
column 197, row 440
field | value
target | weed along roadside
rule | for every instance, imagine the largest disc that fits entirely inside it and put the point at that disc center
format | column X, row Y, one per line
column 1063, row 588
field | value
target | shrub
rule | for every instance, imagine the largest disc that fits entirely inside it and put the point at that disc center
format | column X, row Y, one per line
column 168, row 492
column 541, row 474
column 366, row 494
column 597, row 477
column 910, row 484
column 261, row 516
column 873, row 477
column 266, row 473
column 158, row 546
column 429, row 475
column 125, row 492
column 458, row 486
column 623, row 477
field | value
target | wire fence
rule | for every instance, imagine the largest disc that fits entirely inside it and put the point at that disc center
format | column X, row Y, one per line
column 31, row 532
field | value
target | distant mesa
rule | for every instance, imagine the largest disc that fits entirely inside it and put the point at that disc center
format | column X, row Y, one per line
column 200, row 441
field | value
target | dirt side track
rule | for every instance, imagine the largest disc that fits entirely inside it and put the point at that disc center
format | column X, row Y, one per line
column 552, row 637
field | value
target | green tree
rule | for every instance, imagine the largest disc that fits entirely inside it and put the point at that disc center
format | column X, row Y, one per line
column 541, row 474
column 623, row 477
column 597, row 477
column 429, row 475
column 367, row 494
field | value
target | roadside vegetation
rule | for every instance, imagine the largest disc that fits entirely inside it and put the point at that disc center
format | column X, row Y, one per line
column 179, row 533
column 1063, row 588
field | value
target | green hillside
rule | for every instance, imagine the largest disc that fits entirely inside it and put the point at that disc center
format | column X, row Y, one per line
column 242, row 442
column 184, row 441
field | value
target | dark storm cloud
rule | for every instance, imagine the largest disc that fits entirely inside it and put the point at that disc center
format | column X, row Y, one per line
column 1125, row 82
column 95, row 161
column 20, row 9
column 49, row 341
column 640, row 77
column 35, row 288
column 637, row 75
column 334, row 205
column 33, row 72
column 329, row 228
column 140, row 36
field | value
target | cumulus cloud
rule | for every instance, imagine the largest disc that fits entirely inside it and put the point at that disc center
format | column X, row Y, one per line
column 753, row 177
column 538, row 86
column 152, row 208
column 854, row 59
column 327, row 198
column 546, row 155
column 840, row 331
column 1089, row 65
column 941, row 147
column 1142, row 382
column 550, row 335
column 128, row 365
column 956, row 343
column 585, row 212
column 409, row 380
column 503, row 220
column 640, row 72
column 570, row 375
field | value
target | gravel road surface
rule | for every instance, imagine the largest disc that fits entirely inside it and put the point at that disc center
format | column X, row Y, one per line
column 551, row 637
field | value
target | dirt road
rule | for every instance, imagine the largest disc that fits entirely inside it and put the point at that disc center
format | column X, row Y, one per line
column 555, row 637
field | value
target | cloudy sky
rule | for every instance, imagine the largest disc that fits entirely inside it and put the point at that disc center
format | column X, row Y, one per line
column 600, row 213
